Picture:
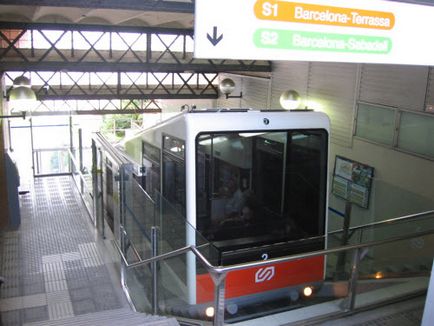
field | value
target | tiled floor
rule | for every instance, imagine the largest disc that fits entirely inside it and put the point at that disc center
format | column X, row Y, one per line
column 53, row 264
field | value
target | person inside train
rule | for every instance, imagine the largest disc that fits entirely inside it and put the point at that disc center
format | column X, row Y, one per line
column 242, row 220
column 235, row 202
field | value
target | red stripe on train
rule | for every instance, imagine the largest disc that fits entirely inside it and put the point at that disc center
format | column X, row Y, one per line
column 255, row 280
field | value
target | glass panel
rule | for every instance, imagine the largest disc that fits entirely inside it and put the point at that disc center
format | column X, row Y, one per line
column 174, row 181
column 416, row 133
column 398, row 228
column 44, row 129
column 139, row 215
column 151, row 164
column 139, row 283
column 375, row 123
column 83, row 181
column 175, row 232
column 180, row 297
column 51, row 153
column 176, row 276
column 394, row 270
column 252, row 189
column 137, row 221
column 49, row 161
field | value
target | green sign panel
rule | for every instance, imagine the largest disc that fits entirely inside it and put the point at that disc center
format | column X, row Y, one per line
column 315, row 41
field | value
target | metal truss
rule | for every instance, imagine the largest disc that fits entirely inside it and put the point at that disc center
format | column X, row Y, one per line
column 186, row 6
column 39, row 47
column 92, row 107
column 59, row 85
column 110, row 65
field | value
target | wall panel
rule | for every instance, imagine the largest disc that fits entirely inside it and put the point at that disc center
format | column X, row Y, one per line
column 255, row 93
column 333, row 86
column 392, row 85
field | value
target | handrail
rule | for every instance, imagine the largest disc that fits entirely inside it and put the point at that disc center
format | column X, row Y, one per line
column 133, row 247
column 388, row 221
column 319, row 253
column 336, row 211
column 220, row 269
column 51, row 149
column 78, row 169
column 219, row 273
column 109, row 148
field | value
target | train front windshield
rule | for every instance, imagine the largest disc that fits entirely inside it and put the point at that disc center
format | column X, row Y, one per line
column 261, row 188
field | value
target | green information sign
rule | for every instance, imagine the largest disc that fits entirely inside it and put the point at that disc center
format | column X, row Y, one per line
column 314, row 41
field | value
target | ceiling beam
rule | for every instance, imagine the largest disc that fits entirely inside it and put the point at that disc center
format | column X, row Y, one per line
column 95, row 112
column 129, row 97
column 142, row 5
column 199, row 67
column 95, row 28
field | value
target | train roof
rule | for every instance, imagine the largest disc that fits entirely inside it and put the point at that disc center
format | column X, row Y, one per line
column 226, row 119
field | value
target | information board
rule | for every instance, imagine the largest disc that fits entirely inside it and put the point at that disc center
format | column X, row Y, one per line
column 370, row 31
column 352, row 181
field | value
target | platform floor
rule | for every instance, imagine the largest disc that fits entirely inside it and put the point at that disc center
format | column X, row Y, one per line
column 55, row 265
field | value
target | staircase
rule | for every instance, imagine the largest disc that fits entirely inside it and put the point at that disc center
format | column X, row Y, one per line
column 116, row 317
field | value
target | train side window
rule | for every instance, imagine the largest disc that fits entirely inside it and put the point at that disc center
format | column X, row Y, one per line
column 109, row 201
column 151, row 162
column 173, row 181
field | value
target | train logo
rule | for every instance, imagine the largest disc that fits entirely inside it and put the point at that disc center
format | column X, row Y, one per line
column 264, row 274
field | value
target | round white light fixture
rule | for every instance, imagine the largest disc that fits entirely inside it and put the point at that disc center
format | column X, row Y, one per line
column 22, row 93
column 209, row 312
column 290, row 100
column 21, row 96
column 307, row 291
column 227, row 86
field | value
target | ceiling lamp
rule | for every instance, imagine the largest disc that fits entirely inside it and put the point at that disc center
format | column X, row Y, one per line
column 227, row 86
column 21, row 96
column 290, row 100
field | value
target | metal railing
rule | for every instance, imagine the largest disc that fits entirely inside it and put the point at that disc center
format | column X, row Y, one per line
column 386, row 222
column 218, row 273
column 85, row 191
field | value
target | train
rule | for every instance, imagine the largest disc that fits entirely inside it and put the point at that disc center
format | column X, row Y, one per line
column 252, row 183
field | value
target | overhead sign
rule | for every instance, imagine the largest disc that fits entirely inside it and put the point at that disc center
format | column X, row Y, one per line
column 370, row 31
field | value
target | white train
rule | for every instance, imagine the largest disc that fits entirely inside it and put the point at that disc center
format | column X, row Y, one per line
column 252, row 183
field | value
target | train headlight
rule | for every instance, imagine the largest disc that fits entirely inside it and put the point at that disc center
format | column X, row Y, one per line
column 307, row 291
column 379, row 275
column 209, row 312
